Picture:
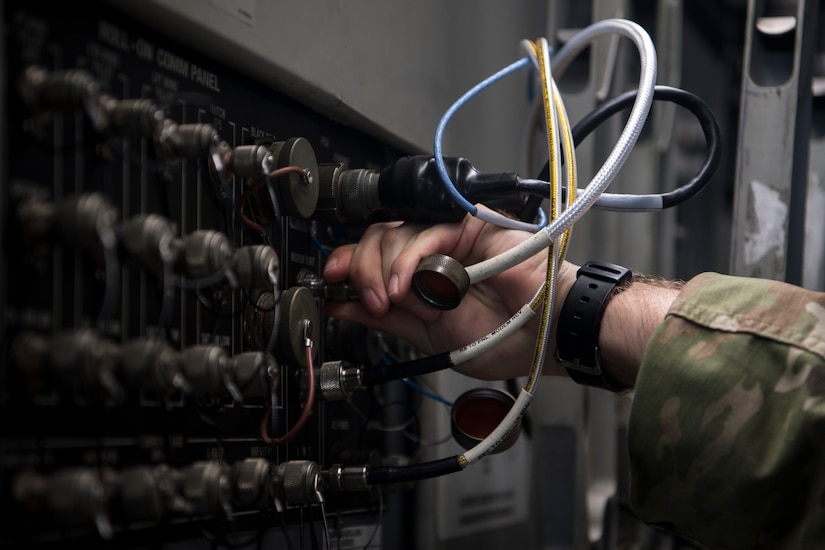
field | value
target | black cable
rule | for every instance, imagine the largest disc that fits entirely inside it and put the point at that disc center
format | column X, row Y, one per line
column 111, row 267
column 378, row 519
column 683, row 98
column 301, row 527
column 285, row 530
column 397, row 371
column 413, row 472
column 262, row 530
column 374, row 375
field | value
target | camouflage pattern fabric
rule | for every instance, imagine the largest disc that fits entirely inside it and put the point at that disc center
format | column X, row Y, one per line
column 727, row 425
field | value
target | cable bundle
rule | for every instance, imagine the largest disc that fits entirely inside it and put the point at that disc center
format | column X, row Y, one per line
column 566, row 202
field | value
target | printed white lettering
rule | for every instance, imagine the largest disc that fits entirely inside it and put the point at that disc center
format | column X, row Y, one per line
column 113, row 36
column 171, row 62
column 204, row 78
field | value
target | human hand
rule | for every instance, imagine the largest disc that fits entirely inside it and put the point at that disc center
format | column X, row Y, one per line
column 381, row 265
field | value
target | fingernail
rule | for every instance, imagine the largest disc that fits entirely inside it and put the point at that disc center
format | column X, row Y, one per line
column 331, row 264
column 370, row 300
column 392, row 289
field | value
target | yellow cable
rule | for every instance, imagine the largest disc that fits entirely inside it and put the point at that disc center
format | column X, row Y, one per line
column 552, row 98
column 570, row 157
column 548, row 92
column 551, row 93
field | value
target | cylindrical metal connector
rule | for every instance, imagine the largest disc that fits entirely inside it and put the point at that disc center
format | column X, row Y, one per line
column 205, row 253
column 346, row 194
column 298, row 481
column 65, row 90
column 257, row 267
column 252, row 483
column 358, row 194
column 143, row 494
column 149, row 238
column 188, row 140
column 151, row 365
column 205, row 487
column 80, row 220
column 477, row 412
column 206, row 369
column 84, row 363
column 329, row 176
column 441, row 281
column 347, row 478
column 78, row 497
column 253, row 373
column 134, row 117
column 337, row 380
column 297, row 192
column 247, row 161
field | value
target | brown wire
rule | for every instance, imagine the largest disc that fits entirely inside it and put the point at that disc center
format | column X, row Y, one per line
column 310, row 401
column 257, row 228
column 287, row 170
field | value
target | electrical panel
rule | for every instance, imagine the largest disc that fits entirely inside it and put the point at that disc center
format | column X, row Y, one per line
column 165, row 372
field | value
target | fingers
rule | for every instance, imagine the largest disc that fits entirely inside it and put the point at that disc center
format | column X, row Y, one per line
column 380, row 267
column 367, row 265
column 417, row 245
column 336, row 268
column 371, row 265
column 404, row 324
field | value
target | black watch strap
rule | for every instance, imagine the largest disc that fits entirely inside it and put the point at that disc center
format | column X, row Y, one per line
column 580, row 319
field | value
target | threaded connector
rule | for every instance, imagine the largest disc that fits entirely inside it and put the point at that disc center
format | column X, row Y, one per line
column 298, row 481
column 337, row 380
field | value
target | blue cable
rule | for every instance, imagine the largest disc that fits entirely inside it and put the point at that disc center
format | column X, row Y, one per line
column 542, row 223
column 319, row 244
column 442, row 124
column 409, row 381
column 429, row 394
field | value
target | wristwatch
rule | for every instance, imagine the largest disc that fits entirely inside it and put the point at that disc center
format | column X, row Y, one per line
column 580, row 319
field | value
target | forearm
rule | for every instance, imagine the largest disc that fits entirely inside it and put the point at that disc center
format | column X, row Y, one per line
column 630, row 318
column 605, row 318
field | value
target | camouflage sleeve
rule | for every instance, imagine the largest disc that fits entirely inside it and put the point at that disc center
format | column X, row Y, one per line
column 727, row 425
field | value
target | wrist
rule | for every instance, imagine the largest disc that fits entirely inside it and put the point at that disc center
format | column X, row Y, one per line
column 629, row 320
column 579, row 323
column 605, row 321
